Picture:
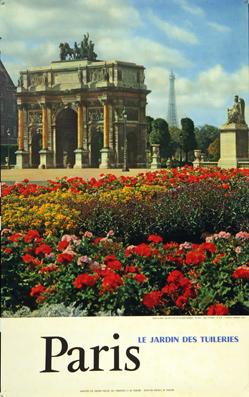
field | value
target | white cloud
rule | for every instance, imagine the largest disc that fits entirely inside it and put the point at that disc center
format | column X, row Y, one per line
column 204, row 98
column 63, row 20
column 174, row 31
column 219, row 27
column 188, row 7
column 142, row 51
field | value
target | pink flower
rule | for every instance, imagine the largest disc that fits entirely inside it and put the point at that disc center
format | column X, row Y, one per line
column 5, row 231
column 88, row 234
column 83, row 259
column 110, row 233
column 242, row 235
column 69, row 237
column 238, row 250
column 93, row 266
column 186, row 246
column 224, row 235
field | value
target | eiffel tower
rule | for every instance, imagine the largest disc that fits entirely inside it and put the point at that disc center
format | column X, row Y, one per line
column 172, row 119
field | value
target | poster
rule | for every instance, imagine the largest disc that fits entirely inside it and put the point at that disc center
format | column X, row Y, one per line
column 179, row 350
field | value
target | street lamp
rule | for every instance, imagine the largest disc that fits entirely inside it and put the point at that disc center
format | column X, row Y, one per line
column 8, row 145
column 125, row 166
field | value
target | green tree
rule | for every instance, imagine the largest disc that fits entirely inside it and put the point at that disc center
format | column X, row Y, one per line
column 149, row 121
column 205, row 135
column 175, row 139
column 160, row 135
column 214, row 150
column 188, row 141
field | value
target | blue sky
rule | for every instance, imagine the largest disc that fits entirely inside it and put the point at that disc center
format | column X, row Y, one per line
column 203, row 41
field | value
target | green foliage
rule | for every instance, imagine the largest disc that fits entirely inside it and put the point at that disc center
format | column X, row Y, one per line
column 183, row 213
column 214, row 150
column 205, row 135
column 160, row 135
column 188, row 141
column 149, row 121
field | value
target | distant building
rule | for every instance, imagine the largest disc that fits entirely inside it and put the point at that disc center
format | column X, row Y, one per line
column 8, row 108
column 172, row 115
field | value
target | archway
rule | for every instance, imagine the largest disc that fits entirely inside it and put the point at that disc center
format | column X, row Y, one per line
column 36, row 139
column 96, row 146
column 66, row 137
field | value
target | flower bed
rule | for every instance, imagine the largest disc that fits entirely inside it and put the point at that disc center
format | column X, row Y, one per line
column 100, row 275
column 178, row 204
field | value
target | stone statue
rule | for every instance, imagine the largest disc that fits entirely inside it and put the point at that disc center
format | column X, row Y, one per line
column 237, row 113
column 80, row 76
column 76, row 51
column 83, row 50
column 62, row 52
column 45, row 79
column 91, row 55
column 106, row 74
column 20, row 81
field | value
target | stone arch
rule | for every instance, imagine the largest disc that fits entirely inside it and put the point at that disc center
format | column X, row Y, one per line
column 132, row 148
column 96, row 144
column 66, row 137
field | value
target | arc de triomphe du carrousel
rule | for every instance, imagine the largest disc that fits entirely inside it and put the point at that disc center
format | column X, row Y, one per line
column 74, row 112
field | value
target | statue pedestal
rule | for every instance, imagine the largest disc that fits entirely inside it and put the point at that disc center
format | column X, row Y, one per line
column 197, row 160
column 105, row 158
column 81, row 158
column 22, row 159
column 155, row 164
column 46, row 159
column 233, row 144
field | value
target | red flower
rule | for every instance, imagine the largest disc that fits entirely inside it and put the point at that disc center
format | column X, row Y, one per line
column 85, row 280
column 242, row 272
column 114, row 265
column 170, row 289
column 140, row 278
column 97, row 240
column 109, row 258
column 37, row 290
column 170, row 245
column 62, row 245
column 195, row 257
column 218, row 258
column 218, row 310
column 64, row 258
column 8, row 250
column 111, row 281
column 43, row 249
column 155, row 238
column 142, row 250
column 130, row 269
column 15, row 237
column 181, row 301
column 152, row 299
column 50, row 268
column 27, row 258
column 210, row 247
column 175, row 275
column 31, row 235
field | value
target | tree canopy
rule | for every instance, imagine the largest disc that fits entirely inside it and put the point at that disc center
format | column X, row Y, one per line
column 188, row 141
column 160, row 135
column 205, row 135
